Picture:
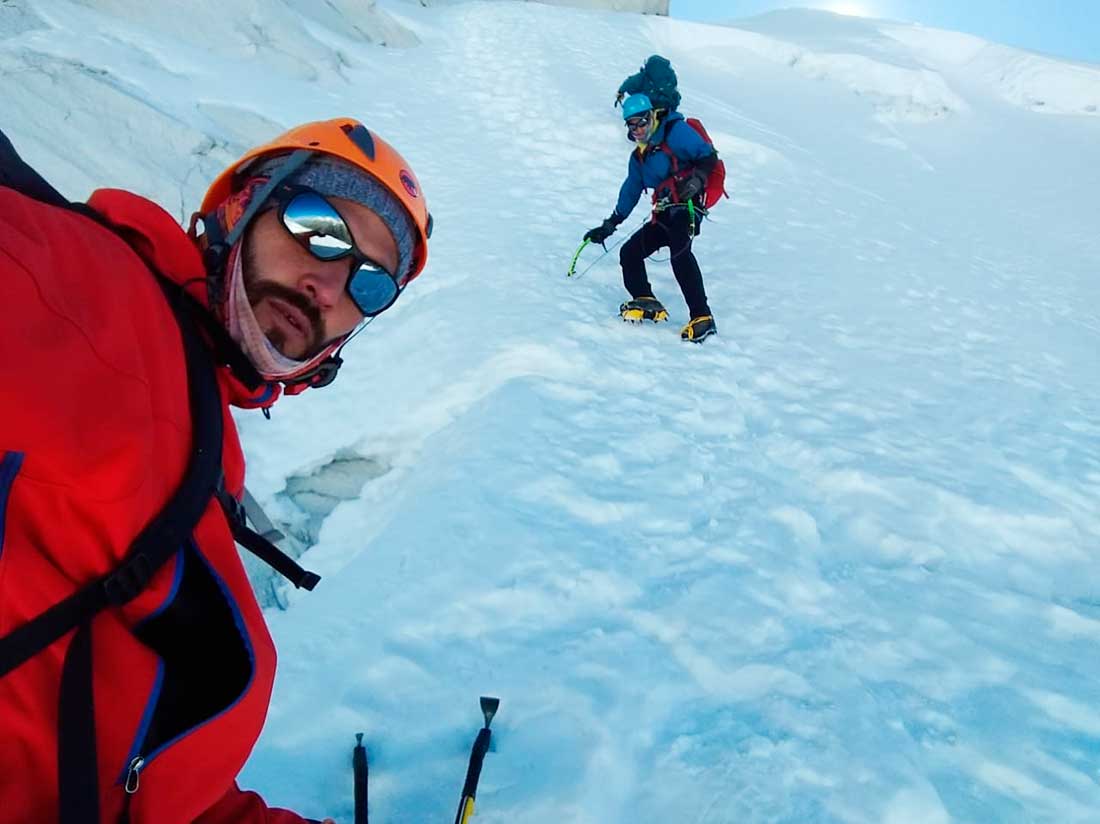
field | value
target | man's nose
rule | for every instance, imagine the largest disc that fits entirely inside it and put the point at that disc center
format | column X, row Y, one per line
column 325, row 284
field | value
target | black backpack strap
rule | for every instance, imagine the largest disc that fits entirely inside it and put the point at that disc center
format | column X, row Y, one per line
column 164, row 534
column 260, row 546
column 77, row 765
column 76, row 746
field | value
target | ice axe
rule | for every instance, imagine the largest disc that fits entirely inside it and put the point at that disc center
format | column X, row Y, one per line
column 573, row 263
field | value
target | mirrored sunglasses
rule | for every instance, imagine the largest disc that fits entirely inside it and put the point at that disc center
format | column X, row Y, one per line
column 635, row 123
column 318, row 227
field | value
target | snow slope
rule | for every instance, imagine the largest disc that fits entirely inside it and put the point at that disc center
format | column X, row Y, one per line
column 860, row 53
column 837, row 565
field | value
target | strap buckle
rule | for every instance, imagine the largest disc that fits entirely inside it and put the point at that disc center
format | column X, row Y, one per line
column 126, row 582
column 233, row 509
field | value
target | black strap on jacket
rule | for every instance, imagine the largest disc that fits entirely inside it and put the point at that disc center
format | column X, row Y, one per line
column 163, row 536
column 260, row 546
column 77, row 765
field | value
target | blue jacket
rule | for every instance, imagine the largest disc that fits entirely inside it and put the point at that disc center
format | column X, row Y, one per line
column 648, row 171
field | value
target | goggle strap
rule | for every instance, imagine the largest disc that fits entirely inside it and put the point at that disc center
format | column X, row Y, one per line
column 288, row 167
column 362, row 325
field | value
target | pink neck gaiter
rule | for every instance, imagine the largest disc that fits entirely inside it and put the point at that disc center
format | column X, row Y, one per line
column 245, row 330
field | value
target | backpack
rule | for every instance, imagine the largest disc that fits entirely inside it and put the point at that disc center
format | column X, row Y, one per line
column 716, row 181
column 657, row 80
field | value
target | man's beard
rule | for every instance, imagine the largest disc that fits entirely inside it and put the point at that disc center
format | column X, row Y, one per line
column 256, row 288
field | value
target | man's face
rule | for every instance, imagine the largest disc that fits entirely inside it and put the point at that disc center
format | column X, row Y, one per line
column 638, row 126
column 301, row 302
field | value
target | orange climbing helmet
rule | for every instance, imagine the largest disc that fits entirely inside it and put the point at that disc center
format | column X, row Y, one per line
column 345, row 139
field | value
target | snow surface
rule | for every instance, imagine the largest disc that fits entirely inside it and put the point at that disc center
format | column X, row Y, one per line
column 838, row 564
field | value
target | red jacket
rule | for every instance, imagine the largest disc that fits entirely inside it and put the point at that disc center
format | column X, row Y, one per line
column 95, row 435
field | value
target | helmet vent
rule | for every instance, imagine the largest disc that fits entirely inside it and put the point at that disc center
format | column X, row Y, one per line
column 362, row 139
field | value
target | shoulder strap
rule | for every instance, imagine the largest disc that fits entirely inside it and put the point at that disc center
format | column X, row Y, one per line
column 261, row 545
column 673, row 159
column 165, row 533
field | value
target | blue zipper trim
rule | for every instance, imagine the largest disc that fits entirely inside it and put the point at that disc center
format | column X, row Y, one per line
column 9, row 468
column 154, row 695
column 143, row 727
column 238, row 620
column 167, row 602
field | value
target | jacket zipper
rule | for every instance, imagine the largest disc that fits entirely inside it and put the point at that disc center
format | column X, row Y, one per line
column 133, row 781
column 133, row 775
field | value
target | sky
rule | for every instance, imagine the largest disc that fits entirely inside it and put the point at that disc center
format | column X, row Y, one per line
column 836, row 565
column 1064, row 28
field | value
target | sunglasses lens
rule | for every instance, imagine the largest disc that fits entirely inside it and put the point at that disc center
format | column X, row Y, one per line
column 637, row 122
column 372, row 289
column 318, row 226
column 314, row 223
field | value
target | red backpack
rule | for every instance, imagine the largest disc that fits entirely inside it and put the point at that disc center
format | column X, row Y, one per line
column 716, row 181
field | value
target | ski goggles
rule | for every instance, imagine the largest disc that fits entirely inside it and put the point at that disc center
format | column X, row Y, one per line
column 318, row 227
column 642, row 121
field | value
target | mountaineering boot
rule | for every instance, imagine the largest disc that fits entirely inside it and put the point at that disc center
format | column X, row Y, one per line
column 643, row 308
column 699, row 329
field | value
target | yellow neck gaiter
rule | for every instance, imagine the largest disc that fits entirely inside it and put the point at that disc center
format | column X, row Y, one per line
column 653, row 124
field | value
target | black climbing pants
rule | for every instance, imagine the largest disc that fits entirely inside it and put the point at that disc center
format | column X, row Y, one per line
column 671, row 229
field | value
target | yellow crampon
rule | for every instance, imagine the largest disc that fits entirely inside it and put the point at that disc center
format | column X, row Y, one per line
column 643, row 308
column 638, row 315
column 698, row 329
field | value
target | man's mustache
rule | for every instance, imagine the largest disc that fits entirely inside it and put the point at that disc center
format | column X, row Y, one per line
column 261, row 289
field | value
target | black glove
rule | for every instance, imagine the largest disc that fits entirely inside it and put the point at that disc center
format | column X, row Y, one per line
column 691, row 186
column 604, row 230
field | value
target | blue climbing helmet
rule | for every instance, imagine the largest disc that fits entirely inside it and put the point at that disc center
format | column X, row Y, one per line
column 635, row 105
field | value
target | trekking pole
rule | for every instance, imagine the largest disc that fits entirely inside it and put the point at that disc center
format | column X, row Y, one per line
column 477, row 757
column 359, row 768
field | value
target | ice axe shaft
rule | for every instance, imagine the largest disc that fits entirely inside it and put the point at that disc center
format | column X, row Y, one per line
column 465, row 812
